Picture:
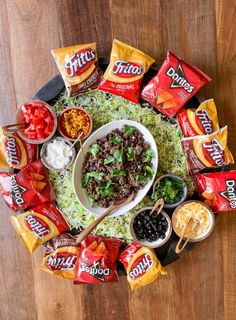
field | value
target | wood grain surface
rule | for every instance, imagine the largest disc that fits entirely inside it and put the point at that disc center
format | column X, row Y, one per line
column 200, row 286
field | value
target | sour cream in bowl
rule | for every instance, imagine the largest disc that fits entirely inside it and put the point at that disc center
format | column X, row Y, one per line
column 57, row 154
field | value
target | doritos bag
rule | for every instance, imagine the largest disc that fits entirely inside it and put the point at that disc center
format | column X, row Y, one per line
column 61, row 256
column 16, row 153
column 29, row 187
column 218, row 189
column 141, row 265
column 203, row 120
column 79, row 67
column 39, row 224
column 125, row 72
column 175, row 83
column 97, row 260
column 207, row 151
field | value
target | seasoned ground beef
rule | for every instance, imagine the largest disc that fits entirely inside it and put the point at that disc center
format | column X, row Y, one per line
column 116, row 165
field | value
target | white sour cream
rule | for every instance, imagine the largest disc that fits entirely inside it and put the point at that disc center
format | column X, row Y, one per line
column 58, row 154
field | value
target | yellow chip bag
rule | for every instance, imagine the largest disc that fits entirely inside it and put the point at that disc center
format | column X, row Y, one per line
column 203, row 120
column 141, row 265
column 79, row 67
column 207, row 151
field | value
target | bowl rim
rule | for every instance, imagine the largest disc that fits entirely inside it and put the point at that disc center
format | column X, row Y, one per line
column 75, row 108
column 185, row 189
column 140, row 241
column 210, row 212
column 43, row 149
column 34, row 141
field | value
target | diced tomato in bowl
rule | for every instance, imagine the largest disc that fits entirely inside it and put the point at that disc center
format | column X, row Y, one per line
column 40, row 120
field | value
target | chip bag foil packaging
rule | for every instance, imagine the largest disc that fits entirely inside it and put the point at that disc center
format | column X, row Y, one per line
column 61, row 256
column 79, row 67
column 141, row 265
column 218, row 189
column 29, row 187
column 200, row 121
column 125, row 72
column 175, row 83
column 39, row 224
column 15, row 153
column 207, row 151
column 97, row 260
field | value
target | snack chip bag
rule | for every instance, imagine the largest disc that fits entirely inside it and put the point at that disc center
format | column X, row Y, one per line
column 218, row 189
column 203, row 120
column 97, row 260
column 78, row 66
column 39, row 224
column 175, row 83
column 61, row 256
column 29, row 187
column 141, row 265
column 16, row 153
column 207, row 151
column 125, row 72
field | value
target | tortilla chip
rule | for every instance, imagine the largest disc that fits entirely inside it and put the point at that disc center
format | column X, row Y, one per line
column 209, row 202
column 92, row 246
column 37, row 185
column 163, row 96
column 101, row 249
column 210, row 195
column 168, row 104
column 37, row 176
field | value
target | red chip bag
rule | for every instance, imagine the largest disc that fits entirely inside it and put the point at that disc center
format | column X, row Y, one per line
column 97, row 260
column 218, row 189
column 61, row 256
column 175, row 83
column 29, row 187
column 39, row 224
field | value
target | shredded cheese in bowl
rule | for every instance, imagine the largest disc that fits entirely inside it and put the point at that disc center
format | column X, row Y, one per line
column 198, row 211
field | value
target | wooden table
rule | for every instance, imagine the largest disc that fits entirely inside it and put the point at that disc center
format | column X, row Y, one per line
column 202, row 286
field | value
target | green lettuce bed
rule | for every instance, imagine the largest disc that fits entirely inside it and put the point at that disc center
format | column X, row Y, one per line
column 105, row 108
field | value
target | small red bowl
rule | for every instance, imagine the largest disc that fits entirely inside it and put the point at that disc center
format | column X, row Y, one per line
column 20, row 119
column 63, row 131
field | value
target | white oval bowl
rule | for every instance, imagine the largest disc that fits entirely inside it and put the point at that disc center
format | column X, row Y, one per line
column 81, row 193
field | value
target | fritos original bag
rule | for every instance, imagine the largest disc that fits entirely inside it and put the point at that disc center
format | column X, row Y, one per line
column 29, row 187
column 125, row 72
column 218, row 189
column 61, row 256
column 175, row 83
column 203, row 120
column 207, row 151
column 141, row 265
column 16, row 153
column 97, row 260
column 39, row 224
column 78, row 66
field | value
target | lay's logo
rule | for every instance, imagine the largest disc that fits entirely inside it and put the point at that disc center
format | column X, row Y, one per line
column 214, row 153
column 140, row 266
column 62, row 261
column 79, row 62
column 125, row 69
column 38, row 226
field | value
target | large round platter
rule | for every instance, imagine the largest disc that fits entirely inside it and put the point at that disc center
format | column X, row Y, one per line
column 77, row 170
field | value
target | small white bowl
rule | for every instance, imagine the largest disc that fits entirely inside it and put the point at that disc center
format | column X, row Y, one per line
column 154, row 244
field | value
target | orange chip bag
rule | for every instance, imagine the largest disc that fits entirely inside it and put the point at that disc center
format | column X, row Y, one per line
column 39, row 224
column 207, row 151
column 125, row 72
column 79, row 67
column 61, row 256
column 141, row 265
column 203, row 120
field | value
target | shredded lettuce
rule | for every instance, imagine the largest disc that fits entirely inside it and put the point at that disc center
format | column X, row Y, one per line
column 105, row 108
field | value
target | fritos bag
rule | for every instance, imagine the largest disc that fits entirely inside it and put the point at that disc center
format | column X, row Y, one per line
column 141, row 265
column 16, row 153
column 125, row 72
column 29, row 187
column 39, row 224
column 78, row 66
column 175, row 83
column 203, row 120
column 61, row 256
column 207, row 151
column 97, row 260
column 218, row 189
